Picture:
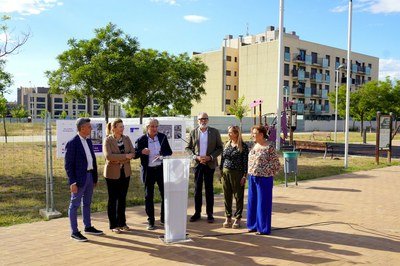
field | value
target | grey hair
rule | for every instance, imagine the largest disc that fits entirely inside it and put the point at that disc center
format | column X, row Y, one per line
column 81, row 121
column 202, row 114
column 151, row 121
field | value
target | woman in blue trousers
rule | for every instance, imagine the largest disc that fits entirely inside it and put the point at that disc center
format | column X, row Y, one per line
column 263, row 165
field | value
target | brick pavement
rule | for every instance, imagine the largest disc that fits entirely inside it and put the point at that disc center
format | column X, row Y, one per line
column 349, row 219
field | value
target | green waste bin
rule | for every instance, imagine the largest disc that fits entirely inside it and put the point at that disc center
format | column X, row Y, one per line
column 290, row 164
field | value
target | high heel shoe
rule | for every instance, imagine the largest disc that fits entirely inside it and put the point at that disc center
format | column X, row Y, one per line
column 236, row 224
column 227, row 223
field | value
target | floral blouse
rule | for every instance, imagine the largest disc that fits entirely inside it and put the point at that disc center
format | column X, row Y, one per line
column 263, row 161
column 233, row 159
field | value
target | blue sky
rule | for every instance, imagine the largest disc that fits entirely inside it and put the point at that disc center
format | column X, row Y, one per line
column 179, row 26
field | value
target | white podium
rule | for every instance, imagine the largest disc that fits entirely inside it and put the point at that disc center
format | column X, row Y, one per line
column 176, row 183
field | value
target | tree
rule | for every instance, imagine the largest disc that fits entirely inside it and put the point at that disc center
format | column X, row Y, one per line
column 3, row 113
column 239, row 109
column 5, row 79
column 10, row 44
column 19, row 112
column 5, row 82
column 164, row 84
column 99, row 67
column 63, row 115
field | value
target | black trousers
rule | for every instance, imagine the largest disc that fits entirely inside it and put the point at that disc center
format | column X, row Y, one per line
column 154, row 175
column 117, row 191
column 204, row 173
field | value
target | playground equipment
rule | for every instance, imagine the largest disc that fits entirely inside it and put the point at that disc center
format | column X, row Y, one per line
column 288, row 117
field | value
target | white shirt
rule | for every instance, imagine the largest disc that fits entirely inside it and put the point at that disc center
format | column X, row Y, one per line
column 87, row 152
column 203, row 142
column 154, row 147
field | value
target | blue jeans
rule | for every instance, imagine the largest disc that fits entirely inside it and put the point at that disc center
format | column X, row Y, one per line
column 259, row 204
column 83, row 195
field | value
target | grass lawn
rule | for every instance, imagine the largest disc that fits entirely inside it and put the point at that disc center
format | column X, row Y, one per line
column 23, row 171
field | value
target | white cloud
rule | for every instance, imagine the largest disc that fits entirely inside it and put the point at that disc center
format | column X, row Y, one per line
column 27, row 7
column 169, row 2
column 372, row 6
column 389, row 67
column 195, row 18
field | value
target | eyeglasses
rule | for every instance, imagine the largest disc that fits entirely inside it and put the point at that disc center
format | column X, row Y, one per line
column 203, row 118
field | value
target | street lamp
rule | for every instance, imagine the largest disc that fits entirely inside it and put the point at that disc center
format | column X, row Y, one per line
column 336, row 99
column 348, row 84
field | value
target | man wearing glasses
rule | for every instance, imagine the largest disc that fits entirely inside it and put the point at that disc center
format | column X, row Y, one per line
column 204, row 145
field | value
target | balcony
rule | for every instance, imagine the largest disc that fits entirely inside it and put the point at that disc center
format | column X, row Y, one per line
column 298, row 90
column 327, row 79
column 299, row 108
column 298, row 58
column 316, row 77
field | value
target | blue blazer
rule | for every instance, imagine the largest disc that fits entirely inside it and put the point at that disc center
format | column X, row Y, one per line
column 143, row 142
column 76, row 163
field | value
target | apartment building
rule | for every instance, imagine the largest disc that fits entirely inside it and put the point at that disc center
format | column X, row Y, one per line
column 38, row 99
column 248, row 65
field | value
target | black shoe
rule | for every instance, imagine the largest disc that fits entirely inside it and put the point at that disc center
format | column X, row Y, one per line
column 195, row 217
column 151, row 227
column 162, row 221
column 210, row 219
column 78, row 237
column 252, row 230
column 93, row 231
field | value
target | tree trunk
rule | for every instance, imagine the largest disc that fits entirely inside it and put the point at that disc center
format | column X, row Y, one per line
column 105, row 106
column 141, row 116
column 5, row 129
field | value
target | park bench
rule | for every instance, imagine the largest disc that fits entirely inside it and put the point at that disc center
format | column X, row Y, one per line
column 322, row 134
column 313, row 146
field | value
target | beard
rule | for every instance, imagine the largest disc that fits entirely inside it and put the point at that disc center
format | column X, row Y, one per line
column 203, row 126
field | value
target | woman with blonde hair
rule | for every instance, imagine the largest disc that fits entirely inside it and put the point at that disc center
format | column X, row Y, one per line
column 233, row 175
column 118, row 151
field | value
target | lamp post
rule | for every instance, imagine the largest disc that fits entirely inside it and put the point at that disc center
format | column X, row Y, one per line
column 348, row 84
column 336, row 99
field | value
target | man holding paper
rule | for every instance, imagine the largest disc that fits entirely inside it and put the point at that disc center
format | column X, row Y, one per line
column 151, row 148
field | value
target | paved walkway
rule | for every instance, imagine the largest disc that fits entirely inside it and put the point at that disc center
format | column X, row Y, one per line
column 349, row 219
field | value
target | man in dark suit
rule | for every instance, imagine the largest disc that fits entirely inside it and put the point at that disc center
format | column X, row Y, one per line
column 151, row 148
column 81, row 168
column 204, row 145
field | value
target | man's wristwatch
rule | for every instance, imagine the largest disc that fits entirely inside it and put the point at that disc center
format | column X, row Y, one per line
column 194, row 157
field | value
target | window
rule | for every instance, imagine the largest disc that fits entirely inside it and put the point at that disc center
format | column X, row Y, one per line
column 228, row 87
column 58, row 106
column 228, row 72
column 286, row 69
column 228, row 101
column 95, row 101
column 234, row 88
column 314, row 57
column 58, row 100
column 41, row 99
column 235, row 74
column 287, row 49
column 235, row 59
column 228, row 58
column 82, row 107
column 328, row 57
column 41, row 105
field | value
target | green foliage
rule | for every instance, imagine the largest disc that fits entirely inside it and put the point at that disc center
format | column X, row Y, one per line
column 374, row 96
column 5, row 79
column 63, row 115
column 239, row 109
column 43, row 114
column 164, row 84
column 83, row 114
column 101, row 67
column 19, row 112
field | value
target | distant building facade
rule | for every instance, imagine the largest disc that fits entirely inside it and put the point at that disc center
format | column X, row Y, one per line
column 38, row 99
column 247, row 65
